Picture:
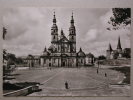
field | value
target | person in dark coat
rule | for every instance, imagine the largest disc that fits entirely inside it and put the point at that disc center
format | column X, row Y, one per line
column 105, row 75
column 97, row 70
column 66, row 85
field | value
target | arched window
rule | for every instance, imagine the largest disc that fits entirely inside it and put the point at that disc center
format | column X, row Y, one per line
column 44, row 61
column 81, row 60
column 54, row 60
column 49, row 59
column 72, row 38
column 54, row 37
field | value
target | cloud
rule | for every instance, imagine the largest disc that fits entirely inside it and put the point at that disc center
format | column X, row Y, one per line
column 20, row 20
column 106, row 18
column 97, row 38
column 29, row 29
column 90, row 35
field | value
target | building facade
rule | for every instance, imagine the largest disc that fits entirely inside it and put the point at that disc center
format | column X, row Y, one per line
column 31, row 60
column 62, row 51
column 119, row 53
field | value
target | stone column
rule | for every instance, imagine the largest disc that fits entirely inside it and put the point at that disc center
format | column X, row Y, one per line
column 42, row 61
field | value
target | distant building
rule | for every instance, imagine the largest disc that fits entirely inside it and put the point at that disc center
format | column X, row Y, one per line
column 31, row 60
column 119, row 52
column 89, row 59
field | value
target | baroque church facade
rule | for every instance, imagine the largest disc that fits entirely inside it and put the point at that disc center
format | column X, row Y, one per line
column 62, row 51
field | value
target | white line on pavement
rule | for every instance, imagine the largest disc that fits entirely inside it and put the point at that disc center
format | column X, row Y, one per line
column 52, row 77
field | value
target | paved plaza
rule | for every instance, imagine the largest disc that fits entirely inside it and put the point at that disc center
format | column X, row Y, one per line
column 81, row 81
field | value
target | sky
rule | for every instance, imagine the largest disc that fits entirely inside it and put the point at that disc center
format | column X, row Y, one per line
column 29, row 29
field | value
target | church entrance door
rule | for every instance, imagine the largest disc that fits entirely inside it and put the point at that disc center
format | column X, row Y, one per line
column 64, row 60
column 63, row 64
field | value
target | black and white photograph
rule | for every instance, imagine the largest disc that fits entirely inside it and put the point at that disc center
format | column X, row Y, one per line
column 58, row 51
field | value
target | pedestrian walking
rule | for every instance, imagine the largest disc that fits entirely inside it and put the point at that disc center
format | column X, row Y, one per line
column 66, row 85
column 97, row 70
column 105, row 75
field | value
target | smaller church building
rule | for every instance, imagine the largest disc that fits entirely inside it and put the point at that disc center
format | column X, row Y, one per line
column 119, row 53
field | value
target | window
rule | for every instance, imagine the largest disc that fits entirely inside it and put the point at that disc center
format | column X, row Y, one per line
column 49, row 64
column 81, row 60
column 54, row 37
column 49, row 59
column 54, row 60
column 44, row 61
column 54, row 31
column 72, row 31
column 58, row 48
column 72, row 38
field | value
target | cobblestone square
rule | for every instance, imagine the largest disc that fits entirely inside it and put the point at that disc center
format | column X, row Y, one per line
column 81, row 81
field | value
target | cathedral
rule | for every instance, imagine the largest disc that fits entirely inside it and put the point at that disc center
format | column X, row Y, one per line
column 62, row 51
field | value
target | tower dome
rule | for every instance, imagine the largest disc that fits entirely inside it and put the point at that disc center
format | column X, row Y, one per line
column 81, row 53
column 72, row 27
column 45, row 52
column 90, row 55
column 54, row 28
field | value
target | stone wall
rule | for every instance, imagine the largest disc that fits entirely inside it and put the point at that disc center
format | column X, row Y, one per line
column 22, row 92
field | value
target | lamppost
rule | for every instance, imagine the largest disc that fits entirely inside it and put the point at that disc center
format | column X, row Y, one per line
column 107, row 80
column 98, row 67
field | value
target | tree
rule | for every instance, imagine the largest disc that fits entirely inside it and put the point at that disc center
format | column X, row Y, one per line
column 4, row 54
column 121, row 16
column 126, row 55
column 101, row 57
column 19, row 60
column 11, row 59
column 116, row 55
column 4, row 32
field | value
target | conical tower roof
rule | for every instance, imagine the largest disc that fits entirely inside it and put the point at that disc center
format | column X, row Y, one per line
column 72, row 19
column 81, row 53
column 119, row 43
column 45, row 52
column 54, row 26
column 62, row 33
column 110, row 47
column 54, row 19
column 72, row 27
column 45, row 49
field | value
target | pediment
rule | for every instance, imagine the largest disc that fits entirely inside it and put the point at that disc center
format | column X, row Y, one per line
column 64, row 39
